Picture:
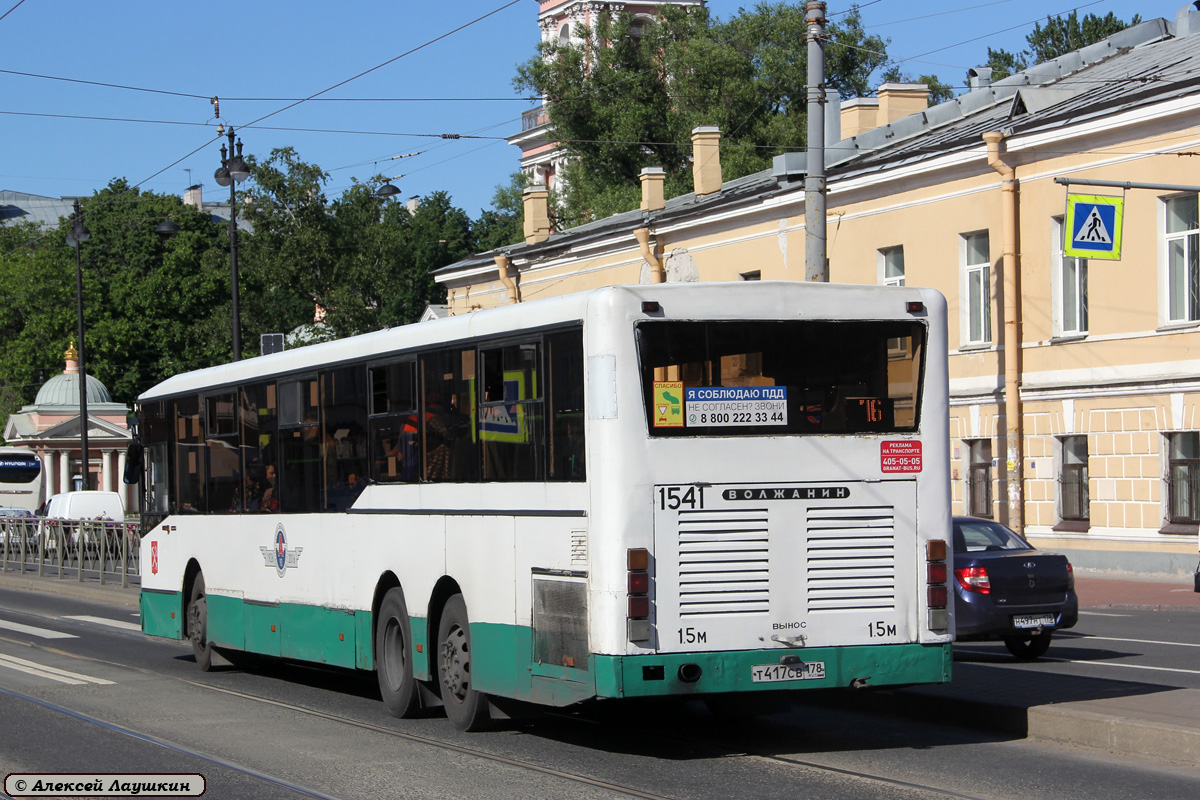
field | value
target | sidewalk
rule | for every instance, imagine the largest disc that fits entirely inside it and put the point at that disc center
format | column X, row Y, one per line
column 1124, row 717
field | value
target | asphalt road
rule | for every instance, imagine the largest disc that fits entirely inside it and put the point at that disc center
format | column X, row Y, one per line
column 1126, row 644
column 100, row 697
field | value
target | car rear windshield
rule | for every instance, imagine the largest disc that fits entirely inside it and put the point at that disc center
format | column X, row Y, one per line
column 974, row 536
column 771, row 377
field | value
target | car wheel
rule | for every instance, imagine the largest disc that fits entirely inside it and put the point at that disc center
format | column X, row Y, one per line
column 1028, row 647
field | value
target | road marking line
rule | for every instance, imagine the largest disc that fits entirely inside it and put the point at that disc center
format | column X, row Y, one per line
column 53, row 673
column 1079, row 661
column 1115, row 639
column 44, row 633
column 112, row 623
column 1099, row 614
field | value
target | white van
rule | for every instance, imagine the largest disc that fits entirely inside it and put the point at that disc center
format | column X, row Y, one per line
column 66, row 510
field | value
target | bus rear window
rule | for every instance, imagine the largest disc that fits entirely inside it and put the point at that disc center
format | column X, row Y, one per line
column 19, row 469
column 768, row 377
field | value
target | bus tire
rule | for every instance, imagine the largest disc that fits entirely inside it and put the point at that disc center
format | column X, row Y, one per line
column 467, row 709
column 197, row 625
column 393, row 657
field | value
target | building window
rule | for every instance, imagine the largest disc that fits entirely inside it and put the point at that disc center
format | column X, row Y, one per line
column 756, row 275
column 977, row 271
column 1070, row 288
column 979, row 478
column 891, row 266
column 1182, row 245
column 1073, row 478
column 1183, row 489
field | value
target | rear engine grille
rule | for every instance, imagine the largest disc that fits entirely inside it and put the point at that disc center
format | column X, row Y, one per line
column 851, row 558
column 724, row 565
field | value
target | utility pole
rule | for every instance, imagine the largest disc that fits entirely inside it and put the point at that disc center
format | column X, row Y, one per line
column 816, row 263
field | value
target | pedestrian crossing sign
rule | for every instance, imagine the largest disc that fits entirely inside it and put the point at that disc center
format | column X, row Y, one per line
column 1093, row 226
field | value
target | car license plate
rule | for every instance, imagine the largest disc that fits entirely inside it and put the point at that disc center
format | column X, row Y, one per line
column 771, row 673
column 1035, row 621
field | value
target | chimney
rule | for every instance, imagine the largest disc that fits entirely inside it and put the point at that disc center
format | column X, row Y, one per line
column 652, row 179
column 194, row 197
column 706, row 160
column 859, row 115
column 412, row 204
column 537, row 214
column 898, row 100
column 1187, row 20
column 979, row 77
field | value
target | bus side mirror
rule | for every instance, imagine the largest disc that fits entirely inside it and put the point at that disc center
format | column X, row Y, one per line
column 134, row 461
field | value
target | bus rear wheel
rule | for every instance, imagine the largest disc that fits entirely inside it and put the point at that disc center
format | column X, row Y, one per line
column 393, row 656
column 197, row 625
column 466, row 708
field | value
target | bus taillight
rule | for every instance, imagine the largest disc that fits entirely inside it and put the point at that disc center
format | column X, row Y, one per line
column 937, row 594
column 638, row 621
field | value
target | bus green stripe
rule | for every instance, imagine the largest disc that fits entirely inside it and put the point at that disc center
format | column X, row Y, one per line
column 502, row 661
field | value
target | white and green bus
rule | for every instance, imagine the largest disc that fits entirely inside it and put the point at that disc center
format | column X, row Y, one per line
column 673, row 490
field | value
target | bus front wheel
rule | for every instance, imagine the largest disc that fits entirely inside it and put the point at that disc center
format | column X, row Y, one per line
column 466, row 708
column 197, row 622
column 393, row 656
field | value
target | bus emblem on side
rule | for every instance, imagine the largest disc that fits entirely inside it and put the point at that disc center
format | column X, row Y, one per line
column 279, row 556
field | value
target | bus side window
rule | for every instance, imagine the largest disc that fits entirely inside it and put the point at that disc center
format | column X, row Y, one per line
column 344, row 437
column 393, row 423
column 565, row 435
column 449, row 447
column 189, row 457
column 299, row 473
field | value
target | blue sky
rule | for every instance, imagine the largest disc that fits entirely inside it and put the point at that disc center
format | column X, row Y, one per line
column 64, row 137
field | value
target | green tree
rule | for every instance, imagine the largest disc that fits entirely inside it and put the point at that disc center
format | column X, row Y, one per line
column 631, row 96
column 502, row 224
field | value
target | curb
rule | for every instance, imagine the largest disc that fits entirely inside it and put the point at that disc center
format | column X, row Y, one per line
column 1134, row 737
column 70, row 587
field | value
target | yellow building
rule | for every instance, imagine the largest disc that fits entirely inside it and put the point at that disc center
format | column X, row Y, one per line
column 1096, row 363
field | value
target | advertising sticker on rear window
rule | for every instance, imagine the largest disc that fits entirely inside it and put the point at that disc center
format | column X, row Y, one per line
column 729, row 406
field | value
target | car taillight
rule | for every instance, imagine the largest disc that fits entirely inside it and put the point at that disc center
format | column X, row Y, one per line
column 974, row 579
column 638, row 620
column 937, row 595
column 1070, row 576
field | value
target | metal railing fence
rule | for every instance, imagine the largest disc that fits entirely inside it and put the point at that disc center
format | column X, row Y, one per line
column 105, row 549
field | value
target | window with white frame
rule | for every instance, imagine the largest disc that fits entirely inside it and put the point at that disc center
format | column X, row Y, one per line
column 977, row 273
column 1069, row 289
column 1182, row 243
column 891, row 266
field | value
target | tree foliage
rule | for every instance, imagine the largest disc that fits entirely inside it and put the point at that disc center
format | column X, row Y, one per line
column 629, row 96
column 1060, row 35
column 154, row 307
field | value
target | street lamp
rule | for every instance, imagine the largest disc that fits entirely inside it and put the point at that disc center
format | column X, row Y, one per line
column 78, row 235
column 388, row 189
column 233, row 170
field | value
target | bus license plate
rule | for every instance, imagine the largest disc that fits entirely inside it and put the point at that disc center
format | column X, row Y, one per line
column 1034, row 621
column 771, row 673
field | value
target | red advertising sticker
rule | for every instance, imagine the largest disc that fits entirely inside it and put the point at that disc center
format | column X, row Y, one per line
column 900, row 456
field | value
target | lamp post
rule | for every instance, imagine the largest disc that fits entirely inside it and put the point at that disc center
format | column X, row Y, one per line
column 233, row 170
column 78, row 235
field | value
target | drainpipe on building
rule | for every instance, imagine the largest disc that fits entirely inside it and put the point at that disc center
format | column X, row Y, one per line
column 657, row 273
column 506, row 279
column 1014, row 460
